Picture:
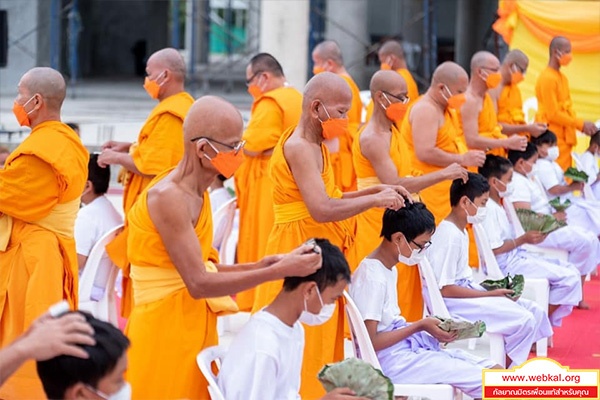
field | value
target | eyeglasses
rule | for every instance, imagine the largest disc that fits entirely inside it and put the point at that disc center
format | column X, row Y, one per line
column 422, row 247
column 400, row 98
column 236, row 147
column 252, row 77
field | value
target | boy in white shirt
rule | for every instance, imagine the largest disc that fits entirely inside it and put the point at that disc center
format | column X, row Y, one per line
column 264, row 361
column 520, row 322
column 584, row 213
column 582, row 245
column 563, row 277
column 98, row 216
column 589, row 161
column 409, row 352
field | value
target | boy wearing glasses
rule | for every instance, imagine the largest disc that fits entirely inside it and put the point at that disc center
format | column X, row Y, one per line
column 520, row 322
column 409, row 352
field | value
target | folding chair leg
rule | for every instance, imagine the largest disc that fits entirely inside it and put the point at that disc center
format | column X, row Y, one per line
column 541, row 347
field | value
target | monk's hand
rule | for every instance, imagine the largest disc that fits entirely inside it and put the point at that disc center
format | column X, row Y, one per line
column 389, row 198
column 342, row 394
column 121, row 147
column 536, row 129
column 516, row 142
column 50, row 337
column 107, row 157
column 267, row 261
column 473, row 158
column 430, row 325
column 589, row 128
column 302, row 261
column 455, row 171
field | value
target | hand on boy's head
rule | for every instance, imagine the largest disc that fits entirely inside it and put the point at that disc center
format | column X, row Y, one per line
column 537, row 128
column 455, row 171
column 302, row 261
column 589, row 128
column 267, row 261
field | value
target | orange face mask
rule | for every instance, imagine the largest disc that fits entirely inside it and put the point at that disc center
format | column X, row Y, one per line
column 455, row 101
column 565, row 59
column 333, row 127
column 227, row 162
column 395, row 111
column 493, row 80
column 318, row 70
column 386, row 67
column 516, row 77
column 255, row 91
column 152, row 87
column 21, row 114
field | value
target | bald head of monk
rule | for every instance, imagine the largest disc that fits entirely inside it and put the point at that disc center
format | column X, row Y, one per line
column 211, row 126
column 41, row 92
column 485, row 67
column 391, row 53
column 560, row 52
column 449, row 79
column 167, row 69
column 515, row 62
column 327, row 57
column 387, row 88
column 264, row 73
column 325, row 96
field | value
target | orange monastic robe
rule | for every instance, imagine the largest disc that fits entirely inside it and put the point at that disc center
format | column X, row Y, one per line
column 159, row 147
column 272, row 114
column 510, row 106
column 556, row 109
column 369, row 223
column 343, row 170
column 488, row 124
column 293, row 226
column 449, row 139
column 413, row 92
column 40, row 190
column 167, row 327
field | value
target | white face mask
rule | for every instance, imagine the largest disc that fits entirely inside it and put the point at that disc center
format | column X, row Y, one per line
column 122, row 394
column 323, row 316
column 552, row 153
column 510, row 188
column 416, row 255
column 479, row 217
column 531, row 173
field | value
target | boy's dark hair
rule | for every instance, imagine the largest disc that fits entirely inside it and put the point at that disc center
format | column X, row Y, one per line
column 595, row 139
column 62, row 372
column 334, row 268
column 495, row 166
column 473, row 188
column 100, row 177
column 527, row 154
column 412, row 220
column 547, row 137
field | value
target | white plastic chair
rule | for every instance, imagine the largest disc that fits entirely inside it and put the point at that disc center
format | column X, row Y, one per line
column 204, row 359
column 536, row 289
column 101, row 273
column 365, row 98
column 588, row 193
column 436, row 306
column 556, row 254
column 223, row 220
column 363, row 349
column 530, row 105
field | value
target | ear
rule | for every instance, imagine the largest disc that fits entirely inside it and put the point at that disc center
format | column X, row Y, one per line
column 77, row 392
column 308, row 288
column 314, row 108
column 38, row 101
column 397, row 237
column 166, row 76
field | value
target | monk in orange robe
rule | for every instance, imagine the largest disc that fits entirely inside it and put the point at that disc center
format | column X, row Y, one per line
column 159, row 146
column 391, row 57
column 176, row 277
column 327, row 56
column 308, row 204
column 507, row 97
column 478, row 115
column 433, row 137
column 40, row 188
column 276, row 107
column 378, row 155
column 555, row 106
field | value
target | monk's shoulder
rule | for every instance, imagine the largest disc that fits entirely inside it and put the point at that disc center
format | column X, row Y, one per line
column 298, row 150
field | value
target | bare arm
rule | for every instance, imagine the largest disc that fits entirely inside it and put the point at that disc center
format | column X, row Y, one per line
column 110, row 157
column 81, row 260
column 383, row 340
column 564, row 189
column 322, row 208
column 455, row 291
column 531, row 237
column 175, row 227
column 535, row 129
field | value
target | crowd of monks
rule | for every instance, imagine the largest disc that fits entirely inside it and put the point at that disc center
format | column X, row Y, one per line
column 306, row 166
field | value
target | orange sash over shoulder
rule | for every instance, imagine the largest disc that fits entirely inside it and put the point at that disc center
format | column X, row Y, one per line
column 40, row 189
column 510, row 106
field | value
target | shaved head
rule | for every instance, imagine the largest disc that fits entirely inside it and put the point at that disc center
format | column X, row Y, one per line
column 215, row 118
column 168, row 59
column 46, row 82
column 329, row 50
column 388, row 81
column 516, row 56
column 484, row 59
column 267, row 63
column 449, row 73
column 561, row 44
column 328, row 88
column 391, row 47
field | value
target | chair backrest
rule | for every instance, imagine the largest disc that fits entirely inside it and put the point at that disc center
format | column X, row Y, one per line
column 222, row 226
column 99, row 269
column 433, row 298
column 486, row 254
column 530, row 107
column 363, row 347
column 588, row 193
column 512, row 217
column 204, row 359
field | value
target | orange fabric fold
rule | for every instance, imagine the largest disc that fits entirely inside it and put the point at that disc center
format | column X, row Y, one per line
column 510, row 106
